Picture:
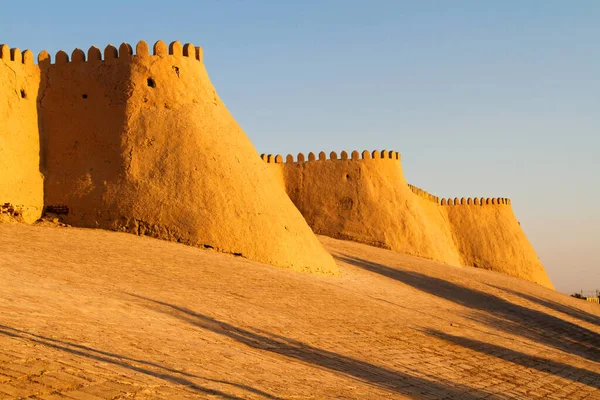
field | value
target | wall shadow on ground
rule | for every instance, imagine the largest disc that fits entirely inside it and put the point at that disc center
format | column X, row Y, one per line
column 496, row 312
column 568, row 310
column 545, row 365
column 381, row 377
column 150, row 368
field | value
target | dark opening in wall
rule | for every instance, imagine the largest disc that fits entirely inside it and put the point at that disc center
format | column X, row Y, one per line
column 151, row 83
column 23, row 94
column 84, row 96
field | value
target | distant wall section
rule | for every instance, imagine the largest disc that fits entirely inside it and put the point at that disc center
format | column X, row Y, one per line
column 488, row 236
column 364, row 197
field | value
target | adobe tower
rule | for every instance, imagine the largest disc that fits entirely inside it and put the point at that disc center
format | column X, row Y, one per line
column 142, row 143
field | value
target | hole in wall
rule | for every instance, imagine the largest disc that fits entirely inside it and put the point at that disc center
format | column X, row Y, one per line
column 84, row 96
column 347, row 176
column 176, row 69
column 23, row 94
column 151, row 83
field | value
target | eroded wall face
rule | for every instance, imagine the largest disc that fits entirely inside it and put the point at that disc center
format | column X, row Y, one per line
column 149, row 148
column 21, row 183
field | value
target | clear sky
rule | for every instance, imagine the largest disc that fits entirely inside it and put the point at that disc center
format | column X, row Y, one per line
column 482, row 98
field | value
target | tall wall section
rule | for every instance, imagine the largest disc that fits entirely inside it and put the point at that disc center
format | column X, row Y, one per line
column 21, row 183
column 364, row 197
column 142, row 143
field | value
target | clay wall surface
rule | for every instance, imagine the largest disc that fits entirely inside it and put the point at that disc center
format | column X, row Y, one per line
column 21, row 183
column 488, row 236
column 142, row 143
column 364, row 197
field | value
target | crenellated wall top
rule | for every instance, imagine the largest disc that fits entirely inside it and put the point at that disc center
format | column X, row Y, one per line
column 94, row 54
column 333, row 156
column 475, row 201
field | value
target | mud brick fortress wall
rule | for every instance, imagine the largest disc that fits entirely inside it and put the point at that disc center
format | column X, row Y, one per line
column 137, row 140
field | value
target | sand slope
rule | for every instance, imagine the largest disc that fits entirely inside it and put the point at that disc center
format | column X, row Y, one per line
column 88, row 314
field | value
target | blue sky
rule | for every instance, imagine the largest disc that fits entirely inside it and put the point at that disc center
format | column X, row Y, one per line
column 481, row 98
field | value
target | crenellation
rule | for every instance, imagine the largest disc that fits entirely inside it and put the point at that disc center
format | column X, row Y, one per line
column 189, row 50
column 111, row 53
column 28, row 57
column 4, row 52
column 44, row 59
column 161, row 49
column 474, row 201
column 77, row 56
column 15, row 55
column 142, row 49
column 375, row 154
column 278, row 159
column 94, row 54
column 343, row 156
column 61, row 57
column 420, row 192
column 176, row 49
column 125, row 51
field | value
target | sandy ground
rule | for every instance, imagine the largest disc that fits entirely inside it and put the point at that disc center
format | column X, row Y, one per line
column 89, row 314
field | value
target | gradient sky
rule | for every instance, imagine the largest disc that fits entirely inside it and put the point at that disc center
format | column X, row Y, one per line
column 486, row 99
